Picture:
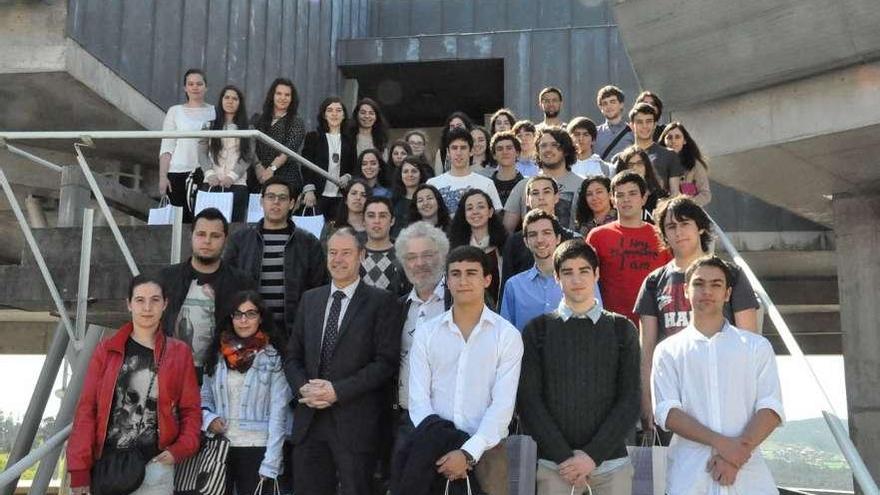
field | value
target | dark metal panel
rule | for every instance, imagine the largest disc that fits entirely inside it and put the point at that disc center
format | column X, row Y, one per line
column 517, row 68
column 400, row 50
column 217, row 43
column 344, row 26
column 274, row 33
column 75, row 18
column 288, row 37
column 475, row 46
column 393, row 17
column 589, row 72
column 521, row 14
column 256, row 45
column 236, row 52
column 301, row 49
column 91, row 24
column 167, row 87
column 107, row 36
column 310, row 81
column 426, row 17
column 590, row 13
column 372, row 17
column 136, row 46
column 490, row 15
column 458, row 16
column 192, row 47
column 550, row 62
column 439, row 47
column 553, row 14
column 361, row 52
column 620, row 69
column 322, row 80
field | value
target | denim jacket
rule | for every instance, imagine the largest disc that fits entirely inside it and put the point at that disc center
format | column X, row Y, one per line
column 265, row 397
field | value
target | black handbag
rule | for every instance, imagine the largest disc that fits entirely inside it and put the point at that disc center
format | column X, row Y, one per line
column 120, row 471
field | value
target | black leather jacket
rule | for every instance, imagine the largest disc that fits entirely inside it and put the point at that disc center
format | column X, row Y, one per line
column 305, row 266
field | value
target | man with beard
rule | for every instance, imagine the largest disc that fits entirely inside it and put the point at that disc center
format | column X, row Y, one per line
column 556, row 154
column 534, row 291
column 198, row 289
column 550, row 101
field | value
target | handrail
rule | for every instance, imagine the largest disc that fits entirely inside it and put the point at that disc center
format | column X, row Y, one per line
column 89, row 136
column 11, row 473
column 850, row 453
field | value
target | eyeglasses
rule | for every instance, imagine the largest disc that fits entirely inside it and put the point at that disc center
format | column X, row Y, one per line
column 250, row 314
column 272, row 197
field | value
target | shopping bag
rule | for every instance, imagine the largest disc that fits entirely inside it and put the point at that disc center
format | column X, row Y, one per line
column 163, row 215
column 205, row 472
column 467, row 479
column 209, row 199
column 522, row 464
column 311, row 223
column 649, row 462
column 255, row 209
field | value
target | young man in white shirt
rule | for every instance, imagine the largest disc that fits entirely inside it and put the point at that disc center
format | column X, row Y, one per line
column 717, row 389
column 464, row 367
column 459, row 179
column 583, row 133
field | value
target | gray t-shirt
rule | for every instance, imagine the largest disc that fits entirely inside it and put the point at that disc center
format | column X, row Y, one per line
column 569, row 184
column 662, row 296
column 666, row 164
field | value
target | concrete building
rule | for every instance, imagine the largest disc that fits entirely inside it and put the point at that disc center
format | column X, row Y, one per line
column 780, row 94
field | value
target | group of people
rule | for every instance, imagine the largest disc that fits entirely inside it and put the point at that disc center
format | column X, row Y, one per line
column 552, row 280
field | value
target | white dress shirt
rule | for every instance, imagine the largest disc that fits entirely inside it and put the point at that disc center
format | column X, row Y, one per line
column 348, row 291
column 470, row 382
column 721, row 382
column 419, row 312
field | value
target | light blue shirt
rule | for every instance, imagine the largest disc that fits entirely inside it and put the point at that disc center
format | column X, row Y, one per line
column 527, row 168
column 527, row 295
column 593, row 313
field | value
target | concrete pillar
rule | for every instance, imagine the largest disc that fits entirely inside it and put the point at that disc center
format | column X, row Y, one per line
column 35, row 213
column 73, row 196
column 857, row 226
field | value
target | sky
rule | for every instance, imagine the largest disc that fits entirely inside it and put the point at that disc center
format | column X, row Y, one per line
column 800, row 396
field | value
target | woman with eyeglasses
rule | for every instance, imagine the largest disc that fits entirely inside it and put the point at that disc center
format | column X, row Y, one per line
column 332, row 150
column 245, row 394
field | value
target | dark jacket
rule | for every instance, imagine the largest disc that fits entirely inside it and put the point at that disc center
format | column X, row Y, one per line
column 304, row 264
column 178, row 410
column 366, row 355
column 413, row 469
column 315, row 150
column 176, row 280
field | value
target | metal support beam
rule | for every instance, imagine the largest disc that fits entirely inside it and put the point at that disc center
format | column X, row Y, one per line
column 108, row 215
column 85, row 262
column 67, row 409
column 14, row 471
column 74, row 195
column 38, row 256
column 176, row 233
column 24, row 439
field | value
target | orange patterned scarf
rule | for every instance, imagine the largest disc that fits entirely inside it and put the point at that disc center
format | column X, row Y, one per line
column 240, row 352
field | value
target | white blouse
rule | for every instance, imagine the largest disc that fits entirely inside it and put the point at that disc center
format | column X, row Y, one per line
column 185, row 152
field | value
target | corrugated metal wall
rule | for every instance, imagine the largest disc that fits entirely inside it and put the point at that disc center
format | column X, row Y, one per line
column 151, row 43
column 567, row 43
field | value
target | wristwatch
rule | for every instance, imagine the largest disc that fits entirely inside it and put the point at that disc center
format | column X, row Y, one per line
column 470, row 459
column 273, row 167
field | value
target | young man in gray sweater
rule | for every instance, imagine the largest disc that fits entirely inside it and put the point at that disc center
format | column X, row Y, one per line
column 579, row 387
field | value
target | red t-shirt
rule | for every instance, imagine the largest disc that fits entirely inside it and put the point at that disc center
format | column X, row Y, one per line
column 626, row 256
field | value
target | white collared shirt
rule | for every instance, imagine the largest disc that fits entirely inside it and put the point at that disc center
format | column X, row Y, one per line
column 470, row 382
column 419, row 312
column 721, row 382
column 349, row 293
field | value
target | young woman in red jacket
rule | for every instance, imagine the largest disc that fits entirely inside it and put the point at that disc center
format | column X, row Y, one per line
column 140, row 392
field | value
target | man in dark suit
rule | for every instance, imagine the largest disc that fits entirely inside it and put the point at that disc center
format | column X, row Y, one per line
column 342, row 353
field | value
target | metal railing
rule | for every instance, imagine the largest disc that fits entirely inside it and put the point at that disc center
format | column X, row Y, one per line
column 851, row 454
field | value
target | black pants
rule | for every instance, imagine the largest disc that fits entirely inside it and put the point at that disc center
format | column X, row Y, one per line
column 322, row 462
column 178, row 193
column 242, row 471
column 328, row 206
